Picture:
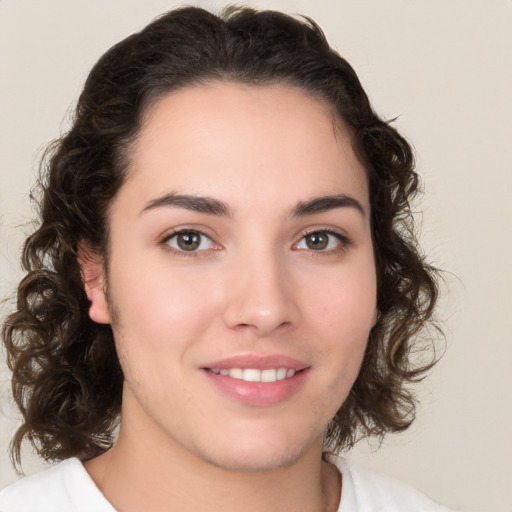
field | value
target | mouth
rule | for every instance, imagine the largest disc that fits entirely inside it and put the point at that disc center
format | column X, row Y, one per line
column 258, row 381
column 256, row 375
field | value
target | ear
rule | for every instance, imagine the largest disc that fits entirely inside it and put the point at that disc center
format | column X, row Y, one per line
column 93, row 278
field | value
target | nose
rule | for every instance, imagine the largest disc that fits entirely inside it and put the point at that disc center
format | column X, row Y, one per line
column 261, row 296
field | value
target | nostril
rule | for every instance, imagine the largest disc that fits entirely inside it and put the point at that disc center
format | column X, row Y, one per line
column 262, row 305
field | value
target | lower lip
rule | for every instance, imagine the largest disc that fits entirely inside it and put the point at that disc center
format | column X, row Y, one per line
column 258, row 394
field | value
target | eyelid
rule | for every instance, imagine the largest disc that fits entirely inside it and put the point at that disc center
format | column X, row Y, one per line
column 344, row 241
column 164, row 241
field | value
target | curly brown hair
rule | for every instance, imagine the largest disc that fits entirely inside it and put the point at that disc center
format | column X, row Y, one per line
column 67, row 380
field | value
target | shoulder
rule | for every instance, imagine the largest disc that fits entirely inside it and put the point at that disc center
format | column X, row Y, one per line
column 364, row 490
column 64, row 487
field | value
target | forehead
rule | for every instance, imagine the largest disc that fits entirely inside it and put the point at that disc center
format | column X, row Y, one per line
column 230, row 140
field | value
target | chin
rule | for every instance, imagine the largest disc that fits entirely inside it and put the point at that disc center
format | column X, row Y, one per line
column 263, row 455
column 252, row 463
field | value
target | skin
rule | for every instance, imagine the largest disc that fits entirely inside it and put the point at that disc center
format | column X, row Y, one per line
column 253, row 287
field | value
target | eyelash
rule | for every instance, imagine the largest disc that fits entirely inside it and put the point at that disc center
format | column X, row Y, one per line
column 343, row 242
column 183, row 253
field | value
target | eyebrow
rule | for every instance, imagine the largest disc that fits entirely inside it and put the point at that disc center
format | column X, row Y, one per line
column 198, row 204
column 326, row 203
column 211, row 206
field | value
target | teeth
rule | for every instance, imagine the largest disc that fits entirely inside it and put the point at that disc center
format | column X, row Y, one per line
column 236, row 373
column 268, row 375
column 251, row 375
column 255, row 375
column 281, row 374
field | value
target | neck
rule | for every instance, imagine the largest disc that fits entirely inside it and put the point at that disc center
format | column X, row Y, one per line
column 142, row 472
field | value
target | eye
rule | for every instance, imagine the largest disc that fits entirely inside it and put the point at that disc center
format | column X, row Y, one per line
column 189, row 241
column 322, row 241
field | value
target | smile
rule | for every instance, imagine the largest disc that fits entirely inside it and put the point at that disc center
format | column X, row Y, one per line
column 257, row 380
column 254, row 374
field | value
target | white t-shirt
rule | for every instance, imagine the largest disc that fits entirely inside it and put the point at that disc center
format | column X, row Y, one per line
column 67, row 487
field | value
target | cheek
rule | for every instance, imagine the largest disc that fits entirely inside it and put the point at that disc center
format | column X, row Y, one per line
column 343, row 313
column 347, row 301
column 161, row 308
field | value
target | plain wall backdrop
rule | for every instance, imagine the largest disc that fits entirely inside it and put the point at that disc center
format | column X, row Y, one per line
column 444, row 69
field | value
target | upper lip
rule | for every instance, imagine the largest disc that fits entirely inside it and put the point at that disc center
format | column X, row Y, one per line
column 259, row 362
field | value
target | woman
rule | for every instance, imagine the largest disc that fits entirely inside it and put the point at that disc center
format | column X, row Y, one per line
column 225, row 267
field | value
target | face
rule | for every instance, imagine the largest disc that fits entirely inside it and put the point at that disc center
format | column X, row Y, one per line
column 241, row 286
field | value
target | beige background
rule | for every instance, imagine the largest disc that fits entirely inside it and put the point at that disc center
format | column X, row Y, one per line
column 445, row 68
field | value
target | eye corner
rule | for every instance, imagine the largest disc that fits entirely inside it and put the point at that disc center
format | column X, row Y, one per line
column 323, row 241
column 187, row 241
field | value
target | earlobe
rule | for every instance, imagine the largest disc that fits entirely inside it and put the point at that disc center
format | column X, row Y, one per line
column 93, row 278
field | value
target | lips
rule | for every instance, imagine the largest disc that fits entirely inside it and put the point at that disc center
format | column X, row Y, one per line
column 258, row 380
column 256, row 375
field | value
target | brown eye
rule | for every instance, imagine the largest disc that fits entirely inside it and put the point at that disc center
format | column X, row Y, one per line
column 189, row 241
column 317, row 241
column 326, row 241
